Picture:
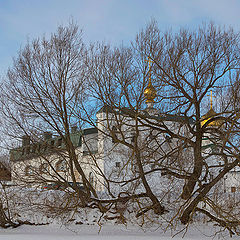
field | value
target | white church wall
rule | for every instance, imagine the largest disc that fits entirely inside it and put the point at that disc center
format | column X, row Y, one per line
column 119, row 163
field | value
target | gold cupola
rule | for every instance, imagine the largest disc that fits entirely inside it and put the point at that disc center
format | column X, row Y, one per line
column 211, row 114
column 150, row 92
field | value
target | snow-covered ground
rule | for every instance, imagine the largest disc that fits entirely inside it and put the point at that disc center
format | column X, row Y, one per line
column 45, row 207
column 113, row 232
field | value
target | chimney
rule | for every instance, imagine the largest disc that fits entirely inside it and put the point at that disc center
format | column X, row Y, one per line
column 47, row 135
column 25, row 140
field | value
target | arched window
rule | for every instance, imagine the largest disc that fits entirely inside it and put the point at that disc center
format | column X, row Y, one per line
column 91, row 178
column 114, row 134
column 61, row 166
column 43, row 168
column 29, row 171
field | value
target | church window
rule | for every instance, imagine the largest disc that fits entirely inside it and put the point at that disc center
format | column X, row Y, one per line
column 114, row 136
column 91, row 178
column 59, row 142
column 233, row 189
column 117, row 164
column 52, row 143
column 133, row 137
column 39, row 147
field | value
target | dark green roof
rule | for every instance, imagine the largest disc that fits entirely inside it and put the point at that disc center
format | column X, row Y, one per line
column 47, row 146
column 90, row 131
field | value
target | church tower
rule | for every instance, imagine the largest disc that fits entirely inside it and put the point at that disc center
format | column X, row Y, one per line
column 209, row 141
column 211, row 114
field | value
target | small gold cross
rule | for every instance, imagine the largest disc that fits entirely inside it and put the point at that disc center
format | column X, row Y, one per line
column 149, row 62
column 211, row 99
column 149, row 70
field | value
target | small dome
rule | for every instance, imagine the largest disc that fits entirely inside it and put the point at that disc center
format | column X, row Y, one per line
column 150, row 93
column 210, row 114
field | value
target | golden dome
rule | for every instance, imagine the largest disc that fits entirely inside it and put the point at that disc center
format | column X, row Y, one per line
column 209, row 115
column 150, row 92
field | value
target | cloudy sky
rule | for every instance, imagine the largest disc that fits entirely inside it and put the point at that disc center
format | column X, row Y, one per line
column 114, row 21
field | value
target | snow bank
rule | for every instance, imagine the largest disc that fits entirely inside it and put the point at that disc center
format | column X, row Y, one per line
column 88, row 232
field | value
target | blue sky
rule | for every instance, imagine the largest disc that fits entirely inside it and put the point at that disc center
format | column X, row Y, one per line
column 114, row 21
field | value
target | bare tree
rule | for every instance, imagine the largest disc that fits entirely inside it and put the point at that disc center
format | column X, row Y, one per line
column 159, row 150
column 44, row 88
column 202, row 149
